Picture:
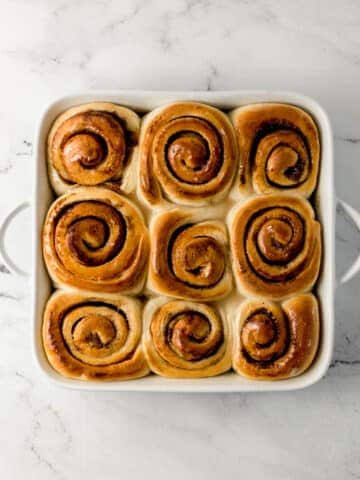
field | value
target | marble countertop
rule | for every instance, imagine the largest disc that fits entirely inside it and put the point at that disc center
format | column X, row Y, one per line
column 48, row 48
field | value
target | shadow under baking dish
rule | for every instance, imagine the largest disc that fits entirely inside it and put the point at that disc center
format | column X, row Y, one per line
column 324, row 202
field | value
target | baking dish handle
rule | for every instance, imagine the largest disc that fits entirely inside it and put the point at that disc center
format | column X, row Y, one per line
column 10, row 264
column 355, row 216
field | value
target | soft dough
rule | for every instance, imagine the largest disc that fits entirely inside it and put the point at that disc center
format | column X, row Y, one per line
column 276, row 246
column 279, row 148
column 184, row 339
column 189, row 256
column 274, row 342
column 96, row 239
column 91, row 144
column 90, row 337
column 188, row 155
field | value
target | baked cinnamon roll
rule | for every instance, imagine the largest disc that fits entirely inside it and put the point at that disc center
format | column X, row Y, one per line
column 189, row 257
column 188, row 155
column 95, row 239
column 276, row 246
column 185, row 339
column 90, row 337
column 274, row 342
column 92, row 144
column 279, row 148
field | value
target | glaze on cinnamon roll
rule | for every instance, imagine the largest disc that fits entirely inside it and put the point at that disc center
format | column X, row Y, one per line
column 274, row 342
column 95, row 239
column 92, row 144
column 276, row 246
column 185, row 339
column 279, row 148
column 90, row 337
column 188, row 155
column 189, row 257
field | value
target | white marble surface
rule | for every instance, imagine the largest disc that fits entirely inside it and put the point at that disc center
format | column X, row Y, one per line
column 49, row 47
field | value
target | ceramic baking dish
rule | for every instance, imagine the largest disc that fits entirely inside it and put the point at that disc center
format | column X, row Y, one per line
column 325, row 200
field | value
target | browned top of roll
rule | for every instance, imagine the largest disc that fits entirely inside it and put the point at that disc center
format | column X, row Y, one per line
column 279, row 148
column 187, row 154
column 274, row 342
column 95, row 239
column 91, row 144
column 189, row 257
column 90, row 337
column 276, row 246
column 185, row 339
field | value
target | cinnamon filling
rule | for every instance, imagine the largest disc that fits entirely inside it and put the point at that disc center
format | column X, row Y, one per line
column 188, row 151
column 264, row 338
column 85, row 148
column 196, row 259
column 92, row 232
column 284, row 161
column 189, row 336
column 274, row 241
column 282, row 153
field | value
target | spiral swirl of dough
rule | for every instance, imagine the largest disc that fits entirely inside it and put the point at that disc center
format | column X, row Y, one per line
column 92, row 144
column 189, row 257
column 188, row 155
column 93, row 338
column 95, row 239
column 279, row 148
column 274, row 342
column 276, row 246
column 185, row 339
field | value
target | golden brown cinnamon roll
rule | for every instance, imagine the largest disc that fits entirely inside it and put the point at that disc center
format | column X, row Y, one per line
column 276, row 246
column 274, row 342
column 90, row 337
column 92, row 144
column 189, row 257
column 279, row 148
column 185, row 339
column 187, row 155
column 95, row 239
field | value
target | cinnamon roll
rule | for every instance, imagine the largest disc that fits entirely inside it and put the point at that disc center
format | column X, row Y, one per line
column 188, row 155
column 276, row 246
column 189, row 257
column 279, row 148
column 274, row 342
column 185, row 339
column 92, row 144
column 90, row 337
column 95, row 239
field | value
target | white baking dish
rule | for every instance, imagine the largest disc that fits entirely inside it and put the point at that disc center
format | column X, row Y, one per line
column 325, row 200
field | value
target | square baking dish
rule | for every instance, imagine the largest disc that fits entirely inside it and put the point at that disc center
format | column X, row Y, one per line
column 324, row 203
